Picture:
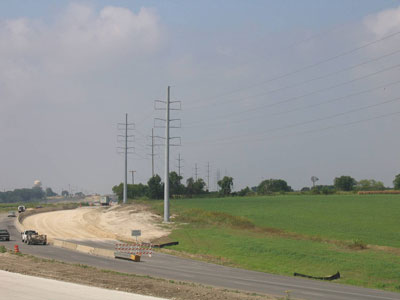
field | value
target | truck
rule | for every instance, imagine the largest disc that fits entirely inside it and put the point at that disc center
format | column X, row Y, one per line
column 32, row 237
column 21, row 208
column 4, row 235
column 105, row 200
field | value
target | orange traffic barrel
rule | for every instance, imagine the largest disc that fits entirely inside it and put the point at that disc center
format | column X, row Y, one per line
column 16, row 249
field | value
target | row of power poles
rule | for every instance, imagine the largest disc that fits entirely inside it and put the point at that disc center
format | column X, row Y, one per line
column 168, row 123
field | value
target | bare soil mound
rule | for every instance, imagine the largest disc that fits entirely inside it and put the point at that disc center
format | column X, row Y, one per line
column 102, row 223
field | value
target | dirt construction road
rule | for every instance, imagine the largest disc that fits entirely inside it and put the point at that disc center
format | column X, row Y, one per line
column 91, row 223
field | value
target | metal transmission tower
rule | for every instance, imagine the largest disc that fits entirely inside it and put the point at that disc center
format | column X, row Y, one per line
column 167, row 139
column 195, row 172
column 152, row 152
column 218, row 178
column 125, row 127
column 133, row 176
column 179, row 159
column 208, row 176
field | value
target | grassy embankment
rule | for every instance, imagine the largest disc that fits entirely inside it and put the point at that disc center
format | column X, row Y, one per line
column 317, row 235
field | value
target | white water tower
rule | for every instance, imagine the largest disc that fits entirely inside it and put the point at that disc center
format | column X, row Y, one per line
column 37, row 184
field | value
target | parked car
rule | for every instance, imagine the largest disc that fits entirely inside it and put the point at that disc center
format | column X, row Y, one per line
column 4, row 235
column 11, row 214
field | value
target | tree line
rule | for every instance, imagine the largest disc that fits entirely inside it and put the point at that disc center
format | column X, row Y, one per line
column 154, row 189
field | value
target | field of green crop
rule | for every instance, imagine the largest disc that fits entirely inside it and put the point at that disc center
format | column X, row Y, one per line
column 316, row 235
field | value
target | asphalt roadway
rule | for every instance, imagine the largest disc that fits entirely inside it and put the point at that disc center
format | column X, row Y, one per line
column 172, row 267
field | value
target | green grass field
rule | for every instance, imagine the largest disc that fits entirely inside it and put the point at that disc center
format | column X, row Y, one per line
column 297, row 233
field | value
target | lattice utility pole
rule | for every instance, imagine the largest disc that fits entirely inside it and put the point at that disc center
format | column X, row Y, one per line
column 179, row 164
column 167, row 138
column 152, row 152
column 133, row 176
column 218, row 178
column 127, row 126
column 208, row 176
column 195, row 172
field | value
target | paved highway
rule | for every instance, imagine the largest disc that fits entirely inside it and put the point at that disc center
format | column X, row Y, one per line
column 22, row 287
column 171, row 267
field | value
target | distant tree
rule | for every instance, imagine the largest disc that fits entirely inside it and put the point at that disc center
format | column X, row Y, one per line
column 198, row 186
column 344, row 183
column 273, row 185
column 323, row 189
column 190, row 186
column 305, row 189
column 370, row 185
column 79, row 194
column 175, row 185
column 133, row 190
column 225, row 185
column 49, row 192
column 396, row 182
column 65, row 193
column 118, row 190
column 155, row 187
column 244, row 192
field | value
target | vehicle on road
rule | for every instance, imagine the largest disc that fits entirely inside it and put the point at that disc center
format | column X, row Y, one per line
column 105, row 200
column 21, row 208
column 4, row 235
column 32, row 237
column 12, row 214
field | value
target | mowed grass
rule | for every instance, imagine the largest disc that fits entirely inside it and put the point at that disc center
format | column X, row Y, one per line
column 375, row 219
column 240, row 232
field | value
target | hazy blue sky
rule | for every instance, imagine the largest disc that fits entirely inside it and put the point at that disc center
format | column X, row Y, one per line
column 269, row 89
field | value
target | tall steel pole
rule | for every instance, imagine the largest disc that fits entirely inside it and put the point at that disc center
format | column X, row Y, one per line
column 208, row 176
column 152, row 152
column 179, row 164
column 126, row 160
column 166, row 175
column 133, row 176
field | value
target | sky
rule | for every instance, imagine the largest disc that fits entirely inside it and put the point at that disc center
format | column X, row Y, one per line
column 268, row 89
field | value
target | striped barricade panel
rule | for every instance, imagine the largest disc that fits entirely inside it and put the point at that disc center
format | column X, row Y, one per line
column 136, row 249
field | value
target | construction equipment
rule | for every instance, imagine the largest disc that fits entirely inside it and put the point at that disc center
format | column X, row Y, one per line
column 105, row 200
column 31, row 237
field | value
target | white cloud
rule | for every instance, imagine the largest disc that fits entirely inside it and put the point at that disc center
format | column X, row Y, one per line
column 385, row 22
column 33, row 54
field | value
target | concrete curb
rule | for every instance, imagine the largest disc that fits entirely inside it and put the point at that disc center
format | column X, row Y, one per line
column 82, row 248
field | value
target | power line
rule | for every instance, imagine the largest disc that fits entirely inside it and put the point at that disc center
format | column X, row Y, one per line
column 218, row 122
column 305, row 122
column 290, row 99
column 344, row 53
column 375, row 59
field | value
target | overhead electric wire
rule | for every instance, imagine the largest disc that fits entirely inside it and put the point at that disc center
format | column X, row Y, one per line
column 290, row 99
column 306, row 122
column 299, row 133
column 310, row 66
column 375, row 59
column 219, row 122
